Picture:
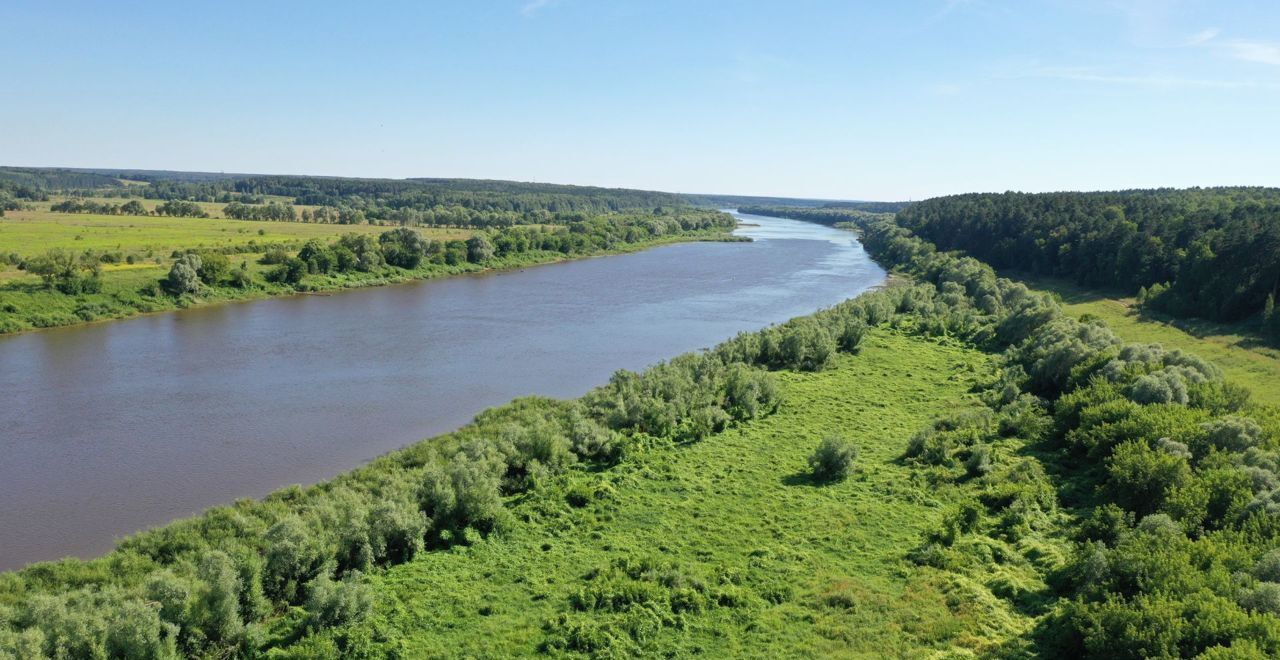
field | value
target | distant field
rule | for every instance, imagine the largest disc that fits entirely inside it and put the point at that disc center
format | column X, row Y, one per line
column 1242, row 358
column 808, row 570
column 30, row 233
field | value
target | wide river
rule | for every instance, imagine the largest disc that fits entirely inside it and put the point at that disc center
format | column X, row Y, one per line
column 111, row 428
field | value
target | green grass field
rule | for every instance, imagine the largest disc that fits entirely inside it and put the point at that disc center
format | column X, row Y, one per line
column 31, row 233
column 798, row 569
column 1243, row 359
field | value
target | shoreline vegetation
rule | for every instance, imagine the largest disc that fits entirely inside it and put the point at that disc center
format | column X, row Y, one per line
column 1072, row 496
column 80, row 246
column 29, row 307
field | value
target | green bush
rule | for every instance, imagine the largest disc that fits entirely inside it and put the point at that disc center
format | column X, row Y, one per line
column 833, row 459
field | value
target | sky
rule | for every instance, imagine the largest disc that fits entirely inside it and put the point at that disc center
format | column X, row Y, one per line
column 839, row 99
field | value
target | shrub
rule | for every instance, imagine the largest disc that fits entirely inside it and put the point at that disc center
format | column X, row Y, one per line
column 804, row 345
column 241, row 279
column 833, row 459
column 851, row 335
column 1268, row 567
column 213, row 267
column 1263, row 598
column 292, row 559
column 290, row 272
column 979, row 462
column 218, row 606
column 1139, row 476
column 342, row 603
column 274, row 257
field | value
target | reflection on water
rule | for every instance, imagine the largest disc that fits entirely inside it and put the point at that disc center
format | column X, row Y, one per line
column 111, row 428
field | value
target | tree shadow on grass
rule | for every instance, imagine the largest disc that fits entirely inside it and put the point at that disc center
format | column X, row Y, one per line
column 803, row 478
column 808, row 479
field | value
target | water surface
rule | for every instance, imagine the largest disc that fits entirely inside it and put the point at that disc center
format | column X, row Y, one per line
column 111, row 428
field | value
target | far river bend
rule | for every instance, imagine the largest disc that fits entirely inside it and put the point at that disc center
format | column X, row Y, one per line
column 111, row 428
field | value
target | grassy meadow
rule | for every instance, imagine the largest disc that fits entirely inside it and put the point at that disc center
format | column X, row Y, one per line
column 797, row 568
column 30, row 233
column 1234, row 348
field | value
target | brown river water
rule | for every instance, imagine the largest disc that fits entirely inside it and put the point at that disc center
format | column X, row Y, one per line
column 112, row 428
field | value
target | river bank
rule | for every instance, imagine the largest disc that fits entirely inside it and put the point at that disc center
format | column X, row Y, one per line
column 29, row 305
column 115, row 427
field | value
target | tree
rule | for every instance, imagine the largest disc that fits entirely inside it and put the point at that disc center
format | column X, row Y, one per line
column 67, row 271
column 292, row 560
column 1139, row 477
column 403, row 247
column 133, row 207
column 290, row 272
column 332, row 604
column 479, row 249
column 213, row 268
column 218, row 606
column 833, row 459
column 184, row 275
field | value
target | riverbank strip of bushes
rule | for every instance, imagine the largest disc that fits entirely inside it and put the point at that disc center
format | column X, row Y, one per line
column 74, row 289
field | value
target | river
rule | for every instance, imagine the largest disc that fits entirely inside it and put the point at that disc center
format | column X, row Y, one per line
column 111, row 428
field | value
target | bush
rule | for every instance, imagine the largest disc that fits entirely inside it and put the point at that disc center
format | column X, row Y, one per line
column 290, row 272
column 338, row 603
column 979, row 462
column 217, row 609
column 833, row 459
column 241, row 279
column 213, row 267
column 274, row 257
column 1140, row 477
column 855, row 329
column 804, row 345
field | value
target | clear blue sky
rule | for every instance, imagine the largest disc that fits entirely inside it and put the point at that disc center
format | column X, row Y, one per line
column 844, row 99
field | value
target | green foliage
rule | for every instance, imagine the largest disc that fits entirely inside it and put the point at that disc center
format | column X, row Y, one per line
column 184, row 275
column 833, row 459
column 69, row 273
column 213, row 268
column 1218, row 246
column 332, row 604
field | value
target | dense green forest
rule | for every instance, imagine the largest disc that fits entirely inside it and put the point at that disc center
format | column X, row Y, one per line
column 825, row 215
column 428, row 202
column 1121, row 498
column 1206, row 252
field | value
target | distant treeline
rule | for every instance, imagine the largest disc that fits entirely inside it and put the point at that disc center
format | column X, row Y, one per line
column 826, row 215
column 175, row 208
column 14, row 195
column 55, row 179
column 371, row 195
column 1211, row 252
column 406, row 202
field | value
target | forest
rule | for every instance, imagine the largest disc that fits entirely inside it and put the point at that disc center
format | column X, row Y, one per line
column 1200, row 252
column 830, row 214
